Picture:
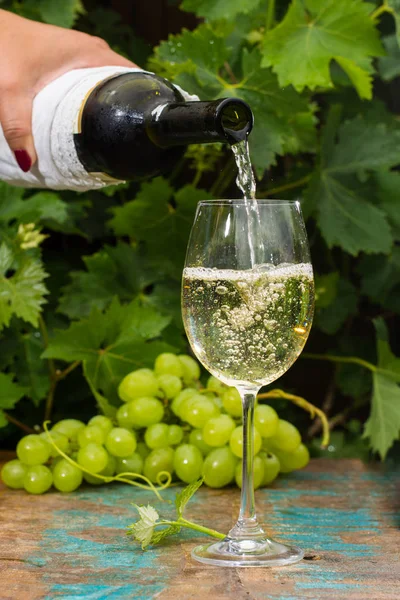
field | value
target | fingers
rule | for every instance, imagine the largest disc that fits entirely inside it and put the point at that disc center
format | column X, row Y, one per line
column 16, row 122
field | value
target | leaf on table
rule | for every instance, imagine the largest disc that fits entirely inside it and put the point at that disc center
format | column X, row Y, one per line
column 196, row 60
column 10, row 394
column 32, row 370
column 312, row 34
column 162, row 219
column 113, row 271
column 112, row 343
column 330, row 318
column 22, row 291
column 143, row 529
column 383, row 425
column 63, row 14
column 345, row 214
column 219, row 9
column 185, row 495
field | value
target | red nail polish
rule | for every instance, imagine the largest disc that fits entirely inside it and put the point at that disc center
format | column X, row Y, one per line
column 23, row 160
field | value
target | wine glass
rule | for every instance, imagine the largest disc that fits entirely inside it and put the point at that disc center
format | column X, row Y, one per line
column 247, row 305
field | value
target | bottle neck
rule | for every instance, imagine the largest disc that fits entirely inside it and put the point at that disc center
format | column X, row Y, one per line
column 229, row 120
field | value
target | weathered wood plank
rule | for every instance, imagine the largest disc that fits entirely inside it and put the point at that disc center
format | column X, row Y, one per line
column 345, row 514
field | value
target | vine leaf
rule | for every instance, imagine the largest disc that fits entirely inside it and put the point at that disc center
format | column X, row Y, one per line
column 112, row 343
column 219, row 9
column 185, row 495
column 394, row 5
column 196, row 60
column 31, row 370
column 383, row 425
column 345, row 215
column 312, row 34
column 22, row 291
column 10, row 394
column 63, row 14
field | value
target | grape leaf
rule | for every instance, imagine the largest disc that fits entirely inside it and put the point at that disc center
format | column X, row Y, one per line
column 312, row 34
column 345, row 215
column 104, row 405
column 60, row 12
column 331, row 317
column 112, row 343
column 383, row 425
column 31, row 370
column 161, row 218
column 195, row 60
column 388, row 185
column 22, row 290
column 219, row 9
column 394, row 5
column 185, row 495
column 389, row 65
column 380, row 274
column 10, row 394
column 113, row 271
column 143, row 529
column 42, row 206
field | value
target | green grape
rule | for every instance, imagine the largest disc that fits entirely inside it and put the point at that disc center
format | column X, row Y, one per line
column 130, row 464
column 215, row 385
column 196, row 439
column 191, row 368
column 156, row 436
column 236, row 441
column 38, row 479
column 13, row 474
column 286, row 439
column 180, row 399
column 142, row 449
column 171, row 385
column 197, row 410
column 217, row 431
column 145, row 411
column 219, row 467
column 103, row 422
column 66, row 477
column 59, row 439
column 168, row 364
column 232, row 402
column 123, row 417
column 108, row 471
column 137, row 384
column 93, row 457
column 161, row 459
column 271, row 467
column 69, row 427
column 216, row 400
column 91, row 433
column 175, row 435
column 258, row 471
column 188, row 463
column 33, row 450
column 266, row 420
column 121, row 442
column 292, row 461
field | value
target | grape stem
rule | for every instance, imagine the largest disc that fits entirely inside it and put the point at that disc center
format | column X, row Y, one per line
column 181, row 522
column 304, row 404
column 55, row 377
column 15, row 421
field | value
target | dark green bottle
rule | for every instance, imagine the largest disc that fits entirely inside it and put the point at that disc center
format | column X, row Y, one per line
column 136, row 126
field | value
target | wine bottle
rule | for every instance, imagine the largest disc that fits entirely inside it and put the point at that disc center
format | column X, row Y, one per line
column 136, row 125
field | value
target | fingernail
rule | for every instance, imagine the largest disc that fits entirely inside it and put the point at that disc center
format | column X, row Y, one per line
column 23, row 160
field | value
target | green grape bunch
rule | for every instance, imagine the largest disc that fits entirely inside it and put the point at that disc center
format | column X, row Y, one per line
column 168, row 427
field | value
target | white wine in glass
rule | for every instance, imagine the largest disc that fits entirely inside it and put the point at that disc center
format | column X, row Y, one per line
column 247, row 308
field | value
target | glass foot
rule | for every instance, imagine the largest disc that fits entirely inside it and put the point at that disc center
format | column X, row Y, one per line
column 247, row 553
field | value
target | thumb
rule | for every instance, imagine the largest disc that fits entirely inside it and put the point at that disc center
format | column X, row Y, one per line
column 16, row 122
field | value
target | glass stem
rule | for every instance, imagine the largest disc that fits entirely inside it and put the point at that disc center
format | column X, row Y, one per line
column 247, row 526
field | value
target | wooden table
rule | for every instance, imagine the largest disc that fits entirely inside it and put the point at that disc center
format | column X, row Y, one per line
column 343, row 513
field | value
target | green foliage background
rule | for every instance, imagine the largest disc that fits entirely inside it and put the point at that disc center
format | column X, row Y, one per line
column 99, row 296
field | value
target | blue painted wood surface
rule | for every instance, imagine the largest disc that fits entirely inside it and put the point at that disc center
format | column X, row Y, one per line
column 343, row 513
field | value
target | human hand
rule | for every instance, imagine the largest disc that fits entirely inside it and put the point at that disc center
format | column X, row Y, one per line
column 32, row 55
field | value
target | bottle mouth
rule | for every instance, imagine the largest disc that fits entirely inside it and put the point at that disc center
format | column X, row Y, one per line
column 235, row 119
